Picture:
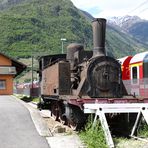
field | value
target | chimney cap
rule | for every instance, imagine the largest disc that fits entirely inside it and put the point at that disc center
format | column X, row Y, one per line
column 99, row 19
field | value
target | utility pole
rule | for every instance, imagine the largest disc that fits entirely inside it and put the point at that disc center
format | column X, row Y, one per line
column 32, row 74
column 63, row 39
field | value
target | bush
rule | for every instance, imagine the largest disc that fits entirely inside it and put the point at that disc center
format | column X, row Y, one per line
column 93, row 137
column 143, row 130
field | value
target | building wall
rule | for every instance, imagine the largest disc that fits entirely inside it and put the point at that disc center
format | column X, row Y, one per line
column 9, row 85
column 8, row 90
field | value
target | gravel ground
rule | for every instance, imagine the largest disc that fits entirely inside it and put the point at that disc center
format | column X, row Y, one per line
column 71, row 139
column 132, row 143
column 62, row 136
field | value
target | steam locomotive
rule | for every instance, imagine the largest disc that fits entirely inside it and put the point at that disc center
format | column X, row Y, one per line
column 70, row 80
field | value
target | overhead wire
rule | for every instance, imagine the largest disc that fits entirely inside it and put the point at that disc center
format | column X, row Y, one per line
column 140, row 5
column 143, row 10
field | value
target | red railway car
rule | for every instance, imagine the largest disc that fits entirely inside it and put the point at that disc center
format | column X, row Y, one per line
column 135, row 74
column 125, row 62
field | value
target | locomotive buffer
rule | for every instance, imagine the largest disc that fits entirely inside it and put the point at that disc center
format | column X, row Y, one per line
column 101, row 109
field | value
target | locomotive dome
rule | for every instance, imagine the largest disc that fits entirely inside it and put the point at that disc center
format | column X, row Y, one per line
column 72, row 48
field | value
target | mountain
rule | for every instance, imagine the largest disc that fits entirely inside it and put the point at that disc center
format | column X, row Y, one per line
column 5, row 4
column 87, row 15
column 133, row 25
column 121, row 44
column 36, row 27
column 140, row 31
column 125, row 22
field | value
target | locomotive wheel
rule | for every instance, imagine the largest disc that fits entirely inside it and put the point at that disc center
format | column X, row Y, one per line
column 62, row 116
column 76, row 118
column 73, row 125
column 55, row 111
column 63, row 120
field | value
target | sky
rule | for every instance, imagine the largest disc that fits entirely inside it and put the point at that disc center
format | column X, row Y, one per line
column 111, row 8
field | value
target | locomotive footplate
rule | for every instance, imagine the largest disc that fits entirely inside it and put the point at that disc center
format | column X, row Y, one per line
column 80, row 102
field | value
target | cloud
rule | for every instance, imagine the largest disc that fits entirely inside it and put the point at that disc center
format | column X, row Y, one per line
column 85, row 4
column 106, row 8
column 94, row 10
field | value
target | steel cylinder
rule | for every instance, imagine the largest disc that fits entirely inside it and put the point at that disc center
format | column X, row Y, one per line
column 99, row 29
column 71, row 49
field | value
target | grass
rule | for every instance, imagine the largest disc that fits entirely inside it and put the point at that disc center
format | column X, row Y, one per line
column 128, row 143
column 93, row 137
column 143, row 130
column 36, row 100
column 28, row 98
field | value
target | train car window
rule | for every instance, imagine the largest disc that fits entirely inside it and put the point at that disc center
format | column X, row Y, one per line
column 145, row 67
column 134, row 74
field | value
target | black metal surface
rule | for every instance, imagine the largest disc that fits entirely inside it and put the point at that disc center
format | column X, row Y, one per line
column 71, row 49
column 99, row 28
column 47, row 60
column 82, row 56
column 64, row 78
column 104, row 77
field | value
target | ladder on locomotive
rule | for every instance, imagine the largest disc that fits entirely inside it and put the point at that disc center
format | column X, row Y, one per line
column 101, row 109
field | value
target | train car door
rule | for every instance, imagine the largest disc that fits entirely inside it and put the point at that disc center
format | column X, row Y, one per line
column 145, row 76
column 135, row 80
column 145, row 67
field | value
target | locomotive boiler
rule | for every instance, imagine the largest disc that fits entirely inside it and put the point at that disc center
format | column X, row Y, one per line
column 70, row 80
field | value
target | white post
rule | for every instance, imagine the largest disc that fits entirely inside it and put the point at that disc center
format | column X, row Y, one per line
column 63, row 39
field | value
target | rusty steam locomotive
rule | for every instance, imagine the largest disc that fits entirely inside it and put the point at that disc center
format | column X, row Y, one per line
column 70, row 80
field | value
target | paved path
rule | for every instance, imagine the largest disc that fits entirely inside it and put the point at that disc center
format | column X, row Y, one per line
column 16, row 127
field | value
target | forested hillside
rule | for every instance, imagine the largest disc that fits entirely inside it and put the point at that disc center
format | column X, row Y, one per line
column 39, row 25
column 35, row 26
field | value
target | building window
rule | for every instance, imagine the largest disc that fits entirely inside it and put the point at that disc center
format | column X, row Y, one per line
column 2, row 84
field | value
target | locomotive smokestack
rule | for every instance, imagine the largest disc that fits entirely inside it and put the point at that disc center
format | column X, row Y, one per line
column 99, row 28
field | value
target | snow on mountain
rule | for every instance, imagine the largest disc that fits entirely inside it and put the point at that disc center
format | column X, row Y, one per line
column 124, row 21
